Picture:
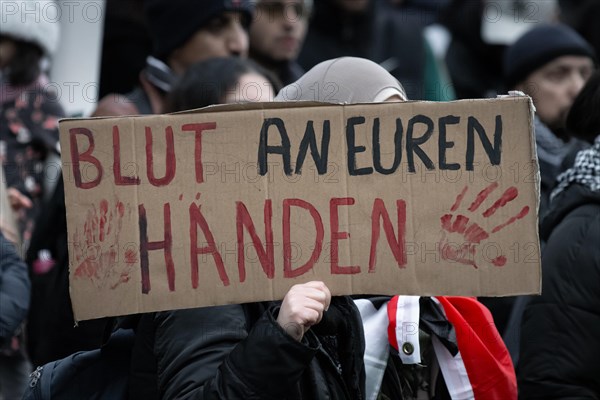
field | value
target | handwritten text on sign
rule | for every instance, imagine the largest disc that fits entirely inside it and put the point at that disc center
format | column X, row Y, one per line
column 235, row 206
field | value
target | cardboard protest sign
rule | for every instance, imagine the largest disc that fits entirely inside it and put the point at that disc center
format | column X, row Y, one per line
column 238, row 203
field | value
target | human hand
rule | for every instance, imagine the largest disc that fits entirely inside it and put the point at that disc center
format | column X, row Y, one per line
column 18, row 200
column 303, row 307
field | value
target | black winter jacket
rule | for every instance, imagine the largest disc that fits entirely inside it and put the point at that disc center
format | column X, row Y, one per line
column 240, row 352
column 560, row 337
column 14, row 290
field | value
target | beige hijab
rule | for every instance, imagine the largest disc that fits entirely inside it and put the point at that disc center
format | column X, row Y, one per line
column 344, row 80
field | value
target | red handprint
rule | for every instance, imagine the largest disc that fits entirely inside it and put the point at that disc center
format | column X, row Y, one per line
column 97, row 259
column 470, row 231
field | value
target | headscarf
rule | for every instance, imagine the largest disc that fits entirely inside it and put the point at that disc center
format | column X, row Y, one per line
column 344, row 80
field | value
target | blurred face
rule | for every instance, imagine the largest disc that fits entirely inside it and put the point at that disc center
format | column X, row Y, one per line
column 223, row 36
column 554, row 87
column 278, row 29
column 251, row 88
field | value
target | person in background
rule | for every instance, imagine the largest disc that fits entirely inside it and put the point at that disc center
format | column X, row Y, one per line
column 480, row 33
column 560, row 328
column 377, row 31
column 581, row 16
column 276, row 36
column 550, row 63
column 183, row 33
column 463, row 324
column 29, row 110
column 222, row 81
column 29, row 113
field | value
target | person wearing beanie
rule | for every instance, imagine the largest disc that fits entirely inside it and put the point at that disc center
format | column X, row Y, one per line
column 183, row 32
column 29, row 113
column 550, row 63
column 276, row 36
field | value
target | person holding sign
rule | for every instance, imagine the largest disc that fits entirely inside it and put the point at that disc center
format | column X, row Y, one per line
column 309, row 346
column 416, row 347
column 560, row 329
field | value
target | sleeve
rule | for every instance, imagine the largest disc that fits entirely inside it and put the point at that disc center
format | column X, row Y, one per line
column 208, row 353
column 560, row 329
column 14, row 290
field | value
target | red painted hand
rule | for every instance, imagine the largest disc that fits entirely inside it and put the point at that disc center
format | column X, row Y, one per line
column 468, row 232
column 97, row 251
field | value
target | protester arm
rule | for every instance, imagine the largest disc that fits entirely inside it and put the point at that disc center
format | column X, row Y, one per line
column 208, row 353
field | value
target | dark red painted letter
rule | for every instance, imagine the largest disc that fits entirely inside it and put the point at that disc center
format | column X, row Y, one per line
column 119, row 179
column 398, row 246
column 336, row 236
column 198, row 220
column 146, row 246
column 169, row 158
column 288, row 272
column 198, row 128
column 86, row 156
column 266, row 254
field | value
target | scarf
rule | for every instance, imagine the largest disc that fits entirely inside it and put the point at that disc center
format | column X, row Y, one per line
column 585, row 171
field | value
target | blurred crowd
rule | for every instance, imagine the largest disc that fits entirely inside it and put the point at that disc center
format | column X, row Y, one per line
column 163, row 56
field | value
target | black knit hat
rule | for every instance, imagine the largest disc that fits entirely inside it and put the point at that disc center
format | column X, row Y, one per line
column 173, row 22
column 538, row 47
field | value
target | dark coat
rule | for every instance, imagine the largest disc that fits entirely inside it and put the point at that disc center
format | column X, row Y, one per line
column 240, row 352
column 14, row 290
column 560, row 346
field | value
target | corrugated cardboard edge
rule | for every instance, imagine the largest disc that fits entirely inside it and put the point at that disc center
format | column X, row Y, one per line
column 538, row 180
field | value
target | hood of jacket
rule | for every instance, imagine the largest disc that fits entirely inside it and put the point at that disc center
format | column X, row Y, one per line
column 573, row 197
